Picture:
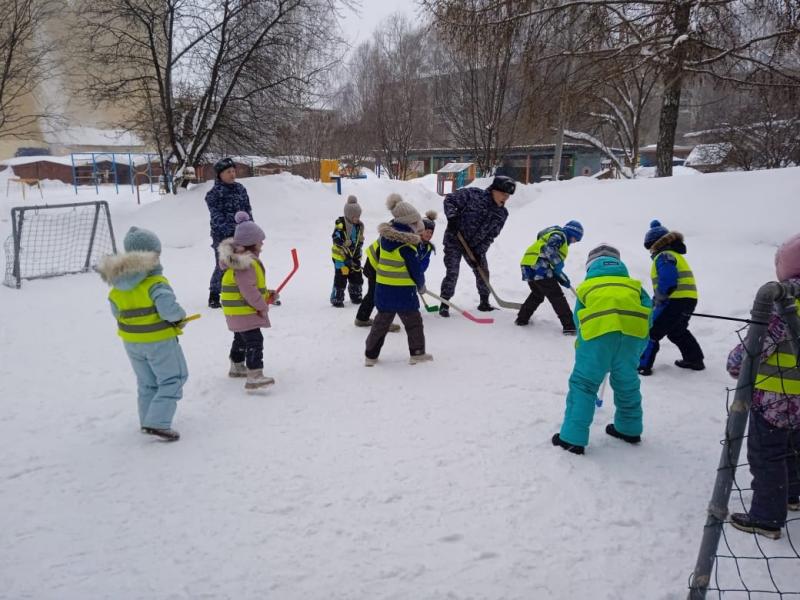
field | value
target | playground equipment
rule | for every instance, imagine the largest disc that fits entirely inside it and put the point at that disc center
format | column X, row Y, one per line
column 460, row 174
column 330, row 171
column 23, row 182
column 96, row 168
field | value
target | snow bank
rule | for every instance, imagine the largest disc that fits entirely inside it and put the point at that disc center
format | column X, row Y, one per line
column 434, row 481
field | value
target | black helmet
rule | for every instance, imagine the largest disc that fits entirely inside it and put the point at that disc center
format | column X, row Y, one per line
column 503, row 183
column 222, row 164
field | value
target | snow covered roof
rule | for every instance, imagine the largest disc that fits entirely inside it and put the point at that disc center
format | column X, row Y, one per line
column 93, row 136
column 27, row 160
column 455, row 167
column 708, row 154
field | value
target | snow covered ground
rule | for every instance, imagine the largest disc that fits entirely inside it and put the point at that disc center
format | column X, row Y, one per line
column 436, row 481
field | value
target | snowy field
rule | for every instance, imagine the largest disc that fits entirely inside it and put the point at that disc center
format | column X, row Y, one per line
column 436, row 481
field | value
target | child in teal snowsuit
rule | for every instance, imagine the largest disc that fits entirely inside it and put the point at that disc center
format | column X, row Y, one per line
column 612, row 315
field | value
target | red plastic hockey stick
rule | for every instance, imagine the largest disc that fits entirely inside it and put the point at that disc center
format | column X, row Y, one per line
column 296, row 265
column 471, row 317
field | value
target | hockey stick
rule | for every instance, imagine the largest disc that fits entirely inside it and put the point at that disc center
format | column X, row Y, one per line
column 599, row 400
column 471, row 317
column 188, row 318
column 694, row 314
column 428, row 307
column 500, row 302
column 295, row 266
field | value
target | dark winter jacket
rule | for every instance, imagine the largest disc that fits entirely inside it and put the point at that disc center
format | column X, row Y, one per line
column 343, row 232
column 425, row 251
column 779, row 410
column 402, row 298
column 224, row 201
column 473, row 212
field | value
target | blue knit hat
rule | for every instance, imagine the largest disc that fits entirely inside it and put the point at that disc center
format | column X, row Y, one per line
column 141, row 240
column 574, row 229
column 655, row 233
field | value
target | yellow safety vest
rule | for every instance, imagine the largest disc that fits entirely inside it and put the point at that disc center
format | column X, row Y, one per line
column 612, row 303
column 337, row 252
column 391, row 269
column 138, row 320
column 534, row 251
column 779, row 373
column 372, row 253
column 233, row 303
column 686, row 287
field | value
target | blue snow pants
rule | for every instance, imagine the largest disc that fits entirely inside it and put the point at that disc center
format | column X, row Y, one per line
column 614, row 353
column 160, row 374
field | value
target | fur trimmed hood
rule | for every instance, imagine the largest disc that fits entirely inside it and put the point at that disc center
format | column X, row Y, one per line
column 390, row 232
column 672, row 238
column 127, row 270
column 230, row 259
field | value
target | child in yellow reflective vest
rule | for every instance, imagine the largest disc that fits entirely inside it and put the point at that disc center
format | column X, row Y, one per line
column 612, row 316
column 773, row 438
column 348, row 239
column 245, row 301
column 148, row 321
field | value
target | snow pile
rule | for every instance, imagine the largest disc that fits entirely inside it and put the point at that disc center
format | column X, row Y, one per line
column 433, row 481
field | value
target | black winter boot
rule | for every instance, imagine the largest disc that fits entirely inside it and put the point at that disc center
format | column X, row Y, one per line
column 743, row 522
column 168, row 435
column 444, row 310
column 213, row 300
column 631, row 439
column 484, row 305
column 557, row 441
column 694, row 365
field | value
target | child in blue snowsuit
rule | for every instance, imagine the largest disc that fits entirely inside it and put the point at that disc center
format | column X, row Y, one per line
column 612, row 315
column 148, row 320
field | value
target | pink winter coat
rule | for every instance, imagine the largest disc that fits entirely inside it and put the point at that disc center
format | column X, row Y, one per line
column 245, row 275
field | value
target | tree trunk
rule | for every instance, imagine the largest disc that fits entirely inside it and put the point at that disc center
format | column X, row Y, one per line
column 559, row 141
column 558, row 152
column 667, row 125
column 673, row 85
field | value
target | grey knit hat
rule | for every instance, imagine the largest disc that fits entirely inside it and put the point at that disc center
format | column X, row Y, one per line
column 351, row 209
column 141, row 240
column 403, row 212
column 602, row 251
column 247, row 233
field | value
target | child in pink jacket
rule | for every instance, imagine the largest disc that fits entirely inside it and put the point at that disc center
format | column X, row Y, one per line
column 245, row 300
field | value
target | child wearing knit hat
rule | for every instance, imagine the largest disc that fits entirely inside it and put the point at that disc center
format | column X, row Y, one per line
column 542, row 268
column 612, row 317
column 245, row 300
column 675, row 298
column 348, row 239
column 399, row 279
column 773, row 436
column 149, row 323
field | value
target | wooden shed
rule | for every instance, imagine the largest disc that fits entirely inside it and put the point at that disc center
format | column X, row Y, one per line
column 459, row 174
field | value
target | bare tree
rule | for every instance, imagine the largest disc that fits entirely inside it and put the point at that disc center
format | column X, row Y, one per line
column 619, row 103
column 391, row 91
column 756, row 128
column 207, row 69
column 724, row 39
column 25, row 60
column 477, row 91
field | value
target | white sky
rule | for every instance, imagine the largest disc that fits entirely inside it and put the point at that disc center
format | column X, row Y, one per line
column 359, row 27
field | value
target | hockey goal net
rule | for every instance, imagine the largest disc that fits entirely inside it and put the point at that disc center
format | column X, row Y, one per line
column 57, row 239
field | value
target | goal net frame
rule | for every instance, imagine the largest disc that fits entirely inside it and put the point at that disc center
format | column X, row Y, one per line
column 14, row 275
